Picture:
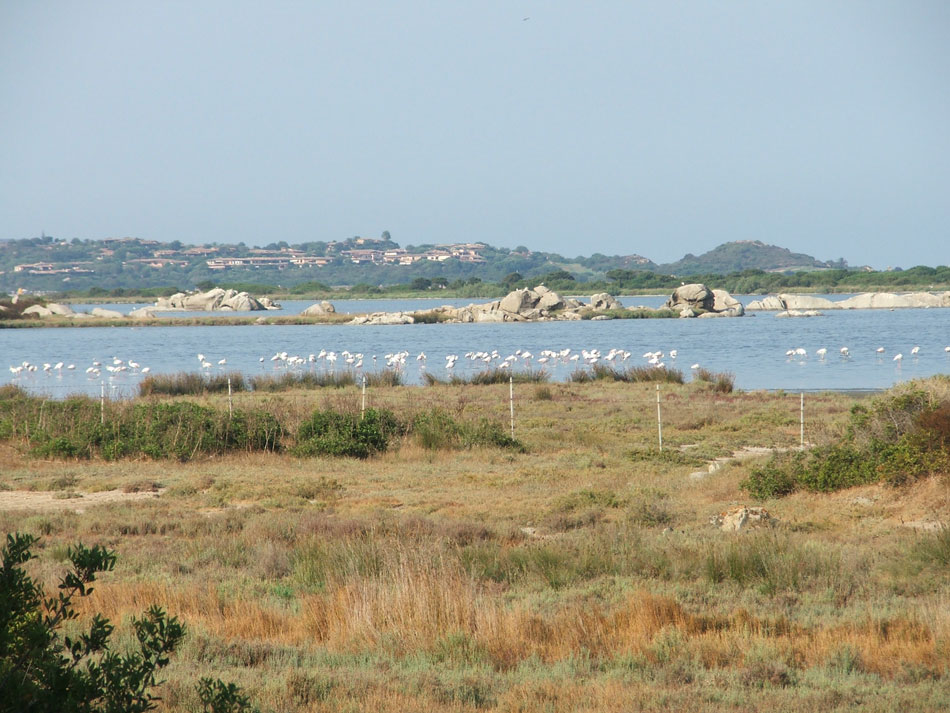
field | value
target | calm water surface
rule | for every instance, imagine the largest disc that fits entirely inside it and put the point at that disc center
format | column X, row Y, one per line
column 752, row 347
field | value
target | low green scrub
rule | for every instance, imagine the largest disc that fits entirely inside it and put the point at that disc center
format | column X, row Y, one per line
column 899, row 437
column 774, row 479
column 331, row 433
column 80, row 427
column 672, row 456
column 428, row 317
column 348, row 434
column 933, row 549
column 437, row 430
column 774, row 563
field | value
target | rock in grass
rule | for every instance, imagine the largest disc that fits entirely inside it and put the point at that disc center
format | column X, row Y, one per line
column 742, row 517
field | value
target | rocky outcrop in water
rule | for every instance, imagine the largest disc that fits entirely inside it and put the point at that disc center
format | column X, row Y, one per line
column 384, row 318
column 51, row 309
column 319, row 309
column 890, row 300
column 800, row 313
column 866, row 300
column 697, row 300
column 106, row 313
column 214, row 300
column 542, row 304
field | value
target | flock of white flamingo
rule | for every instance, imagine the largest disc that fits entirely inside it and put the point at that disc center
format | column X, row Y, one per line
column 115, row 366
column 800, row 353
column 545, row 359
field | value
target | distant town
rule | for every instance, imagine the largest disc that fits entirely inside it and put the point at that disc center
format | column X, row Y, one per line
column 225, row 257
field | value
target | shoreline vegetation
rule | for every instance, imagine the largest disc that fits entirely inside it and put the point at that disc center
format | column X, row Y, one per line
column 734, row 284
column 418, row 557
column 622, row 281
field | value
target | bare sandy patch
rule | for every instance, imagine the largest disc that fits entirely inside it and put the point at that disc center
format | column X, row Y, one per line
column 57, row 500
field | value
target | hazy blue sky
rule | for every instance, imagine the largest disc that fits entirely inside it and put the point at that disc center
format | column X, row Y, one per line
column 657, row 128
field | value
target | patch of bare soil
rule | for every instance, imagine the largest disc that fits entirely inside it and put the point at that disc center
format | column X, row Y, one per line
column 58, row 500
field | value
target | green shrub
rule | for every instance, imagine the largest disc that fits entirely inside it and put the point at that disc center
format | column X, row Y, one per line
column 775, row 479
column 899, row 437
column 43, row 671
column 79, row 427
column 346, row 434
column 428, row 317
column 436, row 429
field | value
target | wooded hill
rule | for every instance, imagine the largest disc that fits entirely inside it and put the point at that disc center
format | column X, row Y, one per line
column 50, row 264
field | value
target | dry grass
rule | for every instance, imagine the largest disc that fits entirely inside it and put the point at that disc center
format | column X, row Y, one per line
column 580, row 575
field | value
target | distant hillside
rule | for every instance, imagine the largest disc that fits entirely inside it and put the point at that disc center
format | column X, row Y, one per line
column 51, row 264
column 745, row 255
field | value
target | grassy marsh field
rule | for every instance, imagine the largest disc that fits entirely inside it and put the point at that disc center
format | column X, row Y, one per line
column 574, row 569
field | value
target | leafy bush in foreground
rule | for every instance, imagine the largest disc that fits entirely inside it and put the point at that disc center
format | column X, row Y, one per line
column 42, row 671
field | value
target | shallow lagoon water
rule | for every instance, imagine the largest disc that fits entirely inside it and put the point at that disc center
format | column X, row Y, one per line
column 752, row 347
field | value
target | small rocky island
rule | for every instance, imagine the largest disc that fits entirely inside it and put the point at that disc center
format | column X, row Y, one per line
column 215, row 300
column 535, row 304
column 543, row 304
column 865, row 300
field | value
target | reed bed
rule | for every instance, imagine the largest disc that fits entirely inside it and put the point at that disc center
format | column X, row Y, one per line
column 722, row 382
column 192, row 383
column 288, row 380
column 630, row 374
column 488, row 377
